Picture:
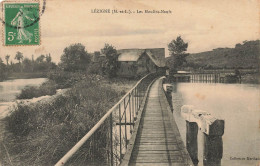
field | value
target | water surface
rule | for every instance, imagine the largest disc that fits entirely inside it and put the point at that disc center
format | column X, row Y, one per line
column 9, row 89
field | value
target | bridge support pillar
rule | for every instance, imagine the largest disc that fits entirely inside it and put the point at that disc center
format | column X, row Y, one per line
column 213, row 144
column 191, row 141
column 213, row 150
column 213, row 130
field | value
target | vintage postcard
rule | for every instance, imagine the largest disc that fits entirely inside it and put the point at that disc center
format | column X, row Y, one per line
column 130, row 82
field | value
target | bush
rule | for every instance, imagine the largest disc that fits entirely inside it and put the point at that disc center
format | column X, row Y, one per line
column 47, row 88
column 94, row 68
column 74, row 58
column 41, row 134
column 65, row 79
column 29, row 92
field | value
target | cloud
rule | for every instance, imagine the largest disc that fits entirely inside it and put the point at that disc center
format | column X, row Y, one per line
column 101, row 32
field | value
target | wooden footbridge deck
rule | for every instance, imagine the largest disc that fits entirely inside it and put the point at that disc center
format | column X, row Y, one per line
column 158, row 140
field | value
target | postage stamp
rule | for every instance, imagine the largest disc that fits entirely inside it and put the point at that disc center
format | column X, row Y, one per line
column 21, row 23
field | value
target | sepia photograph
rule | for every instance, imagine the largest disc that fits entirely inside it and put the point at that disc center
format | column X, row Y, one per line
column 129, row 82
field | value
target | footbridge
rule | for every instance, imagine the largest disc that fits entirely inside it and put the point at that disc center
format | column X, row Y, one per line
column 139, row 130
column 157, row 141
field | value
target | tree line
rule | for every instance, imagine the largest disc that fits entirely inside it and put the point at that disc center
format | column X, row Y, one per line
column 42, row 63
column 75, row 58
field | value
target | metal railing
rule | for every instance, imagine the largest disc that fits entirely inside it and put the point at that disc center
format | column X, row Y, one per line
column 106, row 142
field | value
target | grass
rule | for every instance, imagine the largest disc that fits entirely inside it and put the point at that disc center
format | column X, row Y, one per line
column 120, row 84
column 41, row 133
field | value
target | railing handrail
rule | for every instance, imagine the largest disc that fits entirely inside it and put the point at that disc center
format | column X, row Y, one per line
column 76, row 147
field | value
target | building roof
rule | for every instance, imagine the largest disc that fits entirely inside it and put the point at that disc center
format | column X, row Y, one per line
column 129, row 54
column 157, row 55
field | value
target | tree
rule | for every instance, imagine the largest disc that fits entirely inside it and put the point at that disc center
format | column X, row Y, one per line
column 48, row 58
column 7, row 59
column 177, row 49
column 40, row 59
column 110, row 66
column 27, row 65
column 3, row 71
column 19, row 56
column 75, row 58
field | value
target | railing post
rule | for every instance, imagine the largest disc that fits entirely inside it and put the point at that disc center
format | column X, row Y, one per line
column 130, row 113
column 139, row 99
column 111, row 140
column 191, row 141
column 135, row 103
column 125, row 126
column 133, row 109
column 93, row 148
column 137, row 90
column 120, row 133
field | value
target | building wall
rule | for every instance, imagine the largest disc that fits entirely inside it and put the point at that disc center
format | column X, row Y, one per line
column 141, row 67
column 127, row 69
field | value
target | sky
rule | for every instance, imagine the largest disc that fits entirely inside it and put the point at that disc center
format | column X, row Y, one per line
column 204, row 24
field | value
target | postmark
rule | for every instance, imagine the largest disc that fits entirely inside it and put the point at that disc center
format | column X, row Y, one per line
column 21, row 23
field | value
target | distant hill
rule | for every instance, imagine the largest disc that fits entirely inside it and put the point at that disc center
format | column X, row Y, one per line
column 244, row 55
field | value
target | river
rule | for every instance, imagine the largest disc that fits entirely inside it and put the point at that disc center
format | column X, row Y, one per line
column 10, row 88
column 237, row 104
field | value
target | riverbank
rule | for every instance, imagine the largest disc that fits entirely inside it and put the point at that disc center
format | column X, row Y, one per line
column 23, row 75
column 41, row 133
column 8, row 107
column 250, row 78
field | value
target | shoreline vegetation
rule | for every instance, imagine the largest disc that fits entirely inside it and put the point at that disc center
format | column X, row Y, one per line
column 23, row 75
column 46, row 88
column 41, row 133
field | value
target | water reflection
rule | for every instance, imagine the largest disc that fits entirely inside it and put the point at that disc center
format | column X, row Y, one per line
column 237, row 104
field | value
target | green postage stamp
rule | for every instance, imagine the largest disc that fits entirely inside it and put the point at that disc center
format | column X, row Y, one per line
column 21, row 23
